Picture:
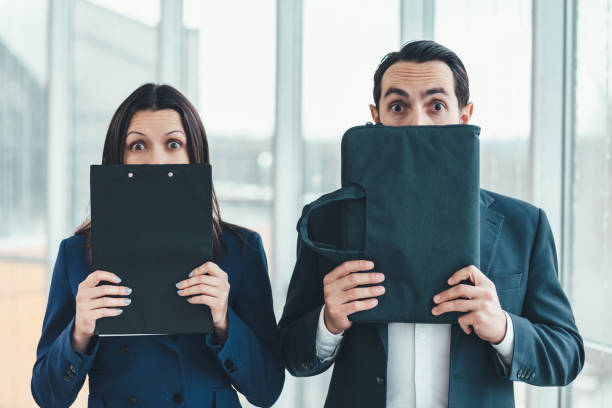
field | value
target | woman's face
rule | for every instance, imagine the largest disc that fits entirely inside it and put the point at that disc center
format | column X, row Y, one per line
column 156, row 137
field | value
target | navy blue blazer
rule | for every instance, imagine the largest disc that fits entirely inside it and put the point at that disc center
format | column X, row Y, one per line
column 164, row 371
column 518, row 254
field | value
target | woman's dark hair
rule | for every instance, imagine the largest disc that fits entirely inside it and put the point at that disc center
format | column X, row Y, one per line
column 157, row 97
column 424, row 51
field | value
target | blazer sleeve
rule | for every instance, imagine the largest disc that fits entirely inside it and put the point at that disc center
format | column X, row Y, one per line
column 251, row 353
column 548, row 349
column 59, row 371
column 298, row 325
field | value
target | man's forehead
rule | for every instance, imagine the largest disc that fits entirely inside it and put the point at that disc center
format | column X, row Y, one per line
column 418, row 76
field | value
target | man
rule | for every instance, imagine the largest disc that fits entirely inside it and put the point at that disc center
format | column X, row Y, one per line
column 517, row 324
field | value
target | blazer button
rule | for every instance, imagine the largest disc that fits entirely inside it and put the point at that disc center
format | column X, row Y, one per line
column 132, row 401
column 124, row 350
column 72, row 368
column 67, row 379
column 380, row 380
column 178, row 397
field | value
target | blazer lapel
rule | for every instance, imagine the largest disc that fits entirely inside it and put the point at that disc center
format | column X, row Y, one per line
column 383, row 331
column 491, row 223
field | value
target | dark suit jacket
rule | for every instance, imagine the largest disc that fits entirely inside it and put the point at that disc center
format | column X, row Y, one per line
column 518, row 254
column 163, row 371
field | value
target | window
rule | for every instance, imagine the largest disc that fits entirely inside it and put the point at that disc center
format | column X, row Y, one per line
column 23, row 110
column 591, row 202
column 235, row 98
column 493, row 39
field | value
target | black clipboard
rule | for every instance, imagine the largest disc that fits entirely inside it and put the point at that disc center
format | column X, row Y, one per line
column 151, row 226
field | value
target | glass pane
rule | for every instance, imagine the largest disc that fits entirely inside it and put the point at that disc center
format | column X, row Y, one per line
column 591, row 228
column 344, row 42
column 103, row 55
column 23, row 160
column 236, row 97
column 493, row 39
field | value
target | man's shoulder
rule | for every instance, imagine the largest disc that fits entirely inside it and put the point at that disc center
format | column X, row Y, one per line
column 510, row 206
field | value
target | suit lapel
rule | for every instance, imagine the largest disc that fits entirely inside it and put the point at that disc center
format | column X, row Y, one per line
column 491, row 223
column 382, row 330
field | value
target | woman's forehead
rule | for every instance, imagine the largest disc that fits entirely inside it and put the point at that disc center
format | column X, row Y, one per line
column 163, row 120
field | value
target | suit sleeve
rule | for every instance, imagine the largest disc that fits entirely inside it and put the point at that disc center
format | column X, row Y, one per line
column 251, row 353
column 59, row 371
column 298, row 325
column 548, row 350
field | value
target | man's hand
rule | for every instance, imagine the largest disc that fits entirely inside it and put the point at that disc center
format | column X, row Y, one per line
column 343, row 298
column 484, row 313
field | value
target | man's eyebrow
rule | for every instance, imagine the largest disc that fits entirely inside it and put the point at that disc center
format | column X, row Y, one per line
column 397, row 91
column 434, row 91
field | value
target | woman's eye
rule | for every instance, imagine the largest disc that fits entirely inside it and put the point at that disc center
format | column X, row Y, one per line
column 438, row 106
column 137, row 146
column 397, row 107
column 174, row 145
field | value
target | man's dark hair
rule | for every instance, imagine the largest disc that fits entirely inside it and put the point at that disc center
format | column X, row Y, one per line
column 424, row 51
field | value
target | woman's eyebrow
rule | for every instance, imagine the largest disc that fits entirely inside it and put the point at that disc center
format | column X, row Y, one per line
column 175, row 131
column 135, row 131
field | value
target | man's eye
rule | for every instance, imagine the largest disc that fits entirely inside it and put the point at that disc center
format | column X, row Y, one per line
column 174, row 145
column 438, row 106
column 397, row 107
column 137, row 146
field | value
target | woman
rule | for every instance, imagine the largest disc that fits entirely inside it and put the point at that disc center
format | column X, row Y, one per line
column 158, row 125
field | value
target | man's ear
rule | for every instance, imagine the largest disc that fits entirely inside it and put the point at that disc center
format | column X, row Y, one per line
column 466, row 113
column 374, row 113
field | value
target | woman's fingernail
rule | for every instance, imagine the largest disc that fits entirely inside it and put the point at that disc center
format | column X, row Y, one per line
column 117, row 279
column 380, row 276
column 180, row 292
column 190, row 274
column 436, row 298
column 119, row 311
column 380, row 290
column 370, row 264
column 434, row 311
column 178, row 285
column 127, row 290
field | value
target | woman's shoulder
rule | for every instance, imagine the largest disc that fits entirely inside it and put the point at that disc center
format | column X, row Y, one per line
column 74, row 245
column 237, row 236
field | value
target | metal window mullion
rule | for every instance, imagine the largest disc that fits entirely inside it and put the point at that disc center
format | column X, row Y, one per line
column 416, row 20
column 172, row 41
column 60, row 64
column 551, row 127
column 287, row 172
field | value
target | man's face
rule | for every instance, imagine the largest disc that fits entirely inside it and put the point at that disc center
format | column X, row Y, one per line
column 415, row 93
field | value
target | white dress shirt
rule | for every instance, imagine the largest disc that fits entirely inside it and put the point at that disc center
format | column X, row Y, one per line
column 416, row 348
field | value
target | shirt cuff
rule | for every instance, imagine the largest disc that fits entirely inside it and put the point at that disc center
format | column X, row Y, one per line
column 505, row 348
column 326, row 342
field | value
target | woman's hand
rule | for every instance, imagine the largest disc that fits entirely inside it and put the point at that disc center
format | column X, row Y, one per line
column 208, row 285
column 92, row 303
